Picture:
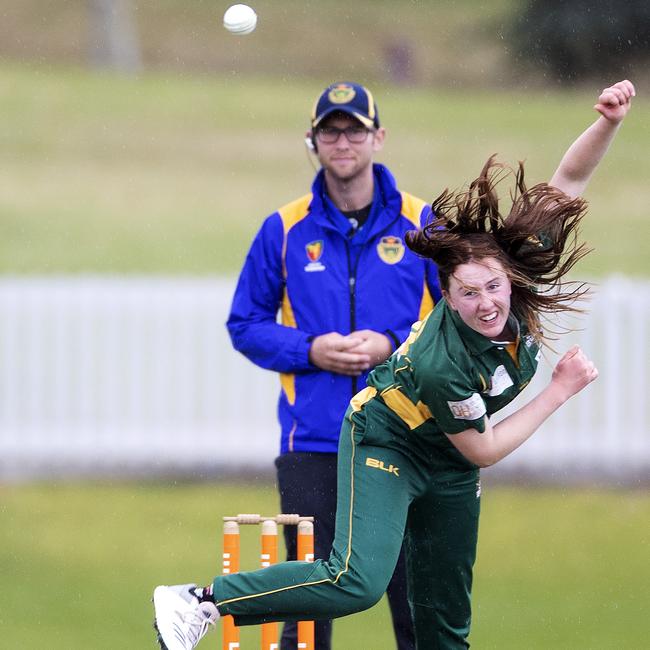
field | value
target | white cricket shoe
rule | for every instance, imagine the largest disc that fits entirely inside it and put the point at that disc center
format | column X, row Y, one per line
column 181, row 618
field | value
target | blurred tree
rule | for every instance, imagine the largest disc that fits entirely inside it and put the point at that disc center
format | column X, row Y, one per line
column 582, row 38
column 114, row 40
column 399, row 61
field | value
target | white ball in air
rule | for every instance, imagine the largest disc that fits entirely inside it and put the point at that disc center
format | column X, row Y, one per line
column 240, row 19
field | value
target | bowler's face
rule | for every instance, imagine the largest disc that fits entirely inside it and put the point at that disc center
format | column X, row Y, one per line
column 480, row 292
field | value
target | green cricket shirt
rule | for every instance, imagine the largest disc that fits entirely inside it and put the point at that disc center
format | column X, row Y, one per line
column 446, row 378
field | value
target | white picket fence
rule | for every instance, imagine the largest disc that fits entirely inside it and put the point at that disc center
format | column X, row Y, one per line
column 112, row 374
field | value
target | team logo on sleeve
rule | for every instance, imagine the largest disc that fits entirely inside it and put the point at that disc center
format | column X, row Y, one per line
column 390, row 249
column 471, row 408
column 314, row 250
column 500, row 381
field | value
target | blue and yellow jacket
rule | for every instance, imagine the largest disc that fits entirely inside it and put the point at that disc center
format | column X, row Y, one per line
column 305, row 263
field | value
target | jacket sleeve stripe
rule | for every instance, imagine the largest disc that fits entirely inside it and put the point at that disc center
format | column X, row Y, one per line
column 412, row 209
column 290, row 214
column 427, row 303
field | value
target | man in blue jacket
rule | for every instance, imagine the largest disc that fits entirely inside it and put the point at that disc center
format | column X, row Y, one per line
column 334, row 265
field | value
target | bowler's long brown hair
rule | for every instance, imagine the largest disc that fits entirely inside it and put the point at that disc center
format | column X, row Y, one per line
column 537, row 242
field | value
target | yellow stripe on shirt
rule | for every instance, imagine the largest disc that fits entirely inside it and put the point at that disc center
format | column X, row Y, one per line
column 362, row 397
column 412, row 414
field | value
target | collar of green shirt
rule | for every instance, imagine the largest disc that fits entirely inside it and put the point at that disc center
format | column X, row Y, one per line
column 476, row 342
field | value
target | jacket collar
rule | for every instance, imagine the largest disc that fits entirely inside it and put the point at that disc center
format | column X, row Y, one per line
column 386, row 204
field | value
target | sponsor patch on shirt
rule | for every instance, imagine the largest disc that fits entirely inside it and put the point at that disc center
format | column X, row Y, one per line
column 471, row 408
column 501, row 380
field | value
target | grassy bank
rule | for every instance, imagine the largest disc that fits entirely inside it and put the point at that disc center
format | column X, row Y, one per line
column 167, row 173
column 417, row 42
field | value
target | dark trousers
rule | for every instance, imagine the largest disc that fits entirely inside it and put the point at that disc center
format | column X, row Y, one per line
column 307, row 485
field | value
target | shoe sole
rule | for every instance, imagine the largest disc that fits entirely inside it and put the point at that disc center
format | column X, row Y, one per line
column 159, row 638
column 161, row 643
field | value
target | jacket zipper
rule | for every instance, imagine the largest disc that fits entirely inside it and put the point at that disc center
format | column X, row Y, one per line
column 352, row 282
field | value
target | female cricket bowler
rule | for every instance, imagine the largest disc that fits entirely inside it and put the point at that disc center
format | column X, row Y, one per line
column 413, row 440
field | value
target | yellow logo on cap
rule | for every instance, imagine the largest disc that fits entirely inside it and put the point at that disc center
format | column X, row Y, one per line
column 341, row 94
column 390, row 249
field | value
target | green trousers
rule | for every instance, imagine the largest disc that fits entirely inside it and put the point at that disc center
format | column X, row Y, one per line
column 386, row 491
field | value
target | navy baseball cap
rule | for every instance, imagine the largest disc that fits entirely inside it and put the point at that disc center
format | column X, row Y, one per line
column 344, row 97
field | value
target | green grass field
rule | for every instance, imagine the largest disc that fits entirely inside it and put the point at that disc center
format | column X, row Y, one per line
column 172, row 173
column 557, row 568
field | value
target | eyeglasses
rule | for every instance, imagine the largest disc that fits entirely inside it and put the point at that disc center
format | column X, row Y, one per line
column 331, row 134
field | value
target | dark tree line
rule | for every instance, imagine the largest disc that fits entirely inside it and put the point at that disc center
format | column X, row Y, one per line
column 573, row 39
